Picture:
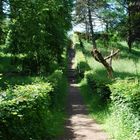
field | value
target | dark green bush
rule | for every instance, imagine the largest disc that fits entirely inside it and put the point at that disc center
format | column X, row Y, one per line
column 99, row 89
column 24, row 112
column 82, row 67
column 57, row 81
column 126, row 92
column 31, row 112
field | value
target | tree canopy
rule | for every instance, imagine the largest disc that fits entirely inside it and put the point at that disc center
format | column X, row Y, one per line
column 38, row 30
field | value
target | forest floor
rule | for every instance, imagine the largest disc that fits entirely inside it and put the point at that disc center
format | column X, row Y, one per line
column 79, row 126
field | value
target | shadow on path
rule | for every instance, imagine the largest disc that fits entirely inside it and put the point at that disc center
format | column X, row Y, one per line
column 78, row 125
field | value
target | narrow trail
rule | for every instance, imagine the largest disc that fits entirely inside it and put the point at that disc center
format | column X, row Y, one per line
column 78, row 125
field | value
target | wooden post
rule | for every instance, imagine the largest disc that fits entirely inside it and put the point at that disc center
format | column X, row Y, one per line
column 110, row 61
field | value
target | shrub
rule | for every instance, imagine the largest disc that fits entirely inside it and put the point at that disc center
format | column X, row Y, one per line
column 126, row 92
column 99, row 89
column 24, row 112
column 126, row 109
column 31, row 112
column 82, row 67
column 59, row 84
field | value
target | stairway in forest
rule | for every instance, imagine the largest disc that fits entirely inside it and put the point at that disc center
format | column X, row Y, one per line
column 79, row 126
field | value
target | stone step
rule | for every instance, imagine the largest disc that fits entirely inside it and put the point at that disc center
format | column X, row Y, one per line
column 71, row 70
column 72, row 73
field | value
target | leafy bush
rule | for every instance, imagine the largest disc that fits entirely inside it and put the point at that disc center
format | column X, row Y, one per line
column 31, row 112
column 82, row 66
column 126, row 92
column 58, row 83
column 126, row 109
column 99, row 89
column 25, row 111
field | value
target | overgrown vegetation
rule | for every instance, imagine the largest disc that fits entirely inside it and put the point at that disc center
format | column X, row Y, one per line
column 112, row 102
column 125, row 110
column 37, row 33
column 33, row 56
column 33, row 111
column 33, row 40
column 32, row 106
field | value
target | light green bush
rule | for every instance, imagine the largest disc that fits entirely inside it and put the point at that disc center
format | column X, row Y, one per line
column 125, row 110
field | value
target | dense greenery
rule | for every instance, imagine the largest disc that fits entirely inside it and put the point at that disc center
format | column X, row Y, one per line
column 33, row 56
column 25, row 112
column 37, row 31
column 33, row 85
column 33, row 111
column 125, row 109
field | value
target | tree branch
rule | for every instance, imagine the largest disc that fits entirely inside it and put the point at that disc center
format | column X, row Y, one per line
column 115, row 53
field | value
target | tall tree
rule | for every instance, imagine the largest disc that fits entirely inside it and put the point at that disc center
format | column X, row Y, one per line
column 1, row 21
column 133, row 22
column 92, row 7
column 38, row 30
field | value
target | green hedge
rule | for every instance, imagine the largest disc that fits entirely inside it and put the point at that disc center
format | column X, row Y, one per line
column 82, row 67
column 123, row 96
column 126, row 108
column 98, row 88
column 26, row 111
column 126, row 92
column 58, row 83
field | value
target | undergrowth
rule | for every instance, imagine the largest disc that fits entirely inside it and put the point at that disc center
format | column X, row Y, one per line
column 33, row 111
column 32, row 107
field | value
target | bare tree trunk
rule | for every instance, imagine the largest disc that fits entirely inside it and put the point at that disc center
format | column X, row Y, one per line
column 98, row 57
column 91, row 25
column 129, row 41
column 95, row 53
column 1, row 18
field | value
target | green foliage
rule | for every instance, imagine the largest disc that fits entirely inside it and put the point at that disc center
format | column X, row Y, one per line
column 58, row 83
column 82, row 67
column 81, row 64
column 38, row 31
column 23, row 110
column 114, row 103
column 99, row 89
column 126, row 91
column 33, row 111
column 32, row 107
column 125, row 110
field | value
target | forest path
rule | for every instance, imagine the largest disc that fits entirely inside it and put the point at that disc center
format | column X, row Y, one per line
column 79, row 126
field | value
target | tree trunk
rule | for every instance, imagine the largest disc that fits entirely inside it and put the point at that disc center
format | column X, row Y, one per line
column 1, row 18
column 98, row 57
column 95, row 53
column 129, row 41
column 91, row 25
column 86, row 27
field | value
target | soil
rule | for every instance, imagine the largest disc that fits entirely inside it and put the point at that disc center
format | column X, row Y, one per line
column 79, row 126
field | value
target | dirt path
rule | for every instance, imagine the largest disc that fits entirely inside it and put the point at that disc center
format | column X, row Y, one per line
column 78, row 125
